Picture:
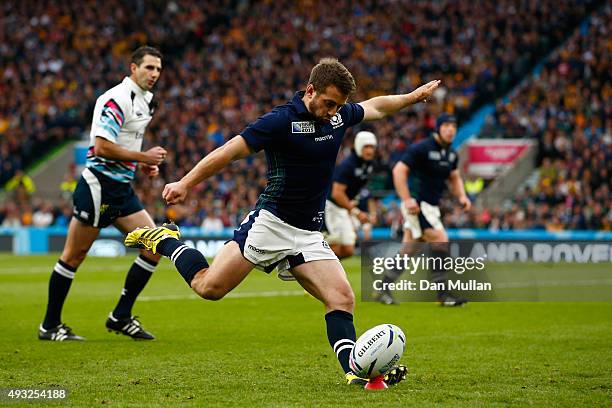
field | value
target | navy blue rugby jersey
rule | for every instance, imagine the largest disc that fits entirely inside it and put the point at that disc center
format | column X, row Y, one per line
column 430, row 166
column 301, row 154
column 353, row 172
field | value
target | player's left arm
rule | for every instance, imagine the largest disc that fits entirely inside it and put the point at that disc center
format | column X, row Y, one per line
column 382, row 106
column 456, row 186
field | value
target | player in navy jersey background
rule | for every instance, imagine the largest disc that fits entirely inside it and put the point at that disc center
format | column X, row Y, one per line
column 420, row 178
column 301, row 140
column 341, row 207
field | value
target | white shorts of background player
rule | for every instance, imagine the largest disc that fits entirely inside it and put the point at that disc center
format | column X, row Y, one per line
column 431, row 213
column 340, row 225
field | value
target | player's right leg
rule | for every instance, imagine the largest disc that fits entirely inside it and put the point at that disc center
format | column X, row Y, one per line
column 326, row 280
column 80, row 238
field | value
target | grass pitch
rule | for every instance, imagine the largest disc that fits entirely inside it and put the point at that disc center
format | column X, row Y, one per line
column 265, row 345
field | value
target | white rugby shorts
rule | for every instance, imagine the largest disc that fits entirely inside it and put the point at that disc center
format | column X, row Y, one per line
column 340, row 225
column 428, row 217
column 269, row 242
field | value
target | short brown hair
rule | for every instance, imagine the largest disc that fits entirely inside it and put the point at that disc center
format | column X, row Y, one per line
column 330, row 71
column 139, row 54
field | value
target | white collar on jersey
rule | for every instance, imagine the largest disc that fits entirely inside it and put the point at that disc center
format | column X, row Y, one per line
column 135, row 88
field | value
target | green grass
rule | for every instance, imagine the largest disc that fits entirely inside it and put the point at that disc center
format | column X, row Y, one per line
column 273, row 351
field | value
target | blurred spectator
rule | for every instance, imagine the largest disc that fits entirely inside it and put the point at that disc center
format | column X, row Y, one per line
column 12, row 217
column 21, row 180
column 473, row 186
column 212, row 223
column 63, row 215
column 43, row 216
column 67, row 186
column 21, row 186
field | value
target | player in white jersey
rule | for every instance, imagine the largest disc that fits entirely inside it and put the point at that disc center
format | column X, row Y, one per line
column 104, row 196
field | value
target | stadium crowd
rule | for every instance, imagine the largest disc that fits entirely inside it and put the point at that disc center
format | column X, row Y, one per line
column 567, row 107
column 232, row 64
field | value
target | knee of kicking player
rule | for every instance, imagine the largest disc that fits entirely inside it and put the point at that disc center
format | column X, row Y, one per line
column 208, row 290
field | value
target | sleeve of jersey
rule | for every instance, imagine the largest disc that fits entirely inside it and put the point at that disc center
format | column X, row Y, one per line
column 110, row 121
column 261, row 133
column 411, row 157
column 352, row 114
column 343, row 174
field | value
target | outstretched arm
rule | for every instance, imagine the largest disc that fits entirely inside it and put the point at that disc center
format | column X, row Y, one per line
column 236, row 148
column 382, row 106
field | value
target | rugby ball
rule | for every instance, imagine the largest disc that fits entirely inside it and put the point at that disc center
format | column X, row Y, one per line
column 377, row 350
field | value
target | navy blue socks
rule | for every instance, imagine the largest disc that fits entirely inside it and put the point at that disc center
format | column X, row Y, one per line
column 188, row 261
column 341, row 335
column 135, row 281
column 59, row 285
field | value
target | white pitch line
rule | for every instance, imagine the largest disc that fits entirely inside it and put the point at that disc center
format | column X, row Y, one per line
column 38, row 270
column 235, row 295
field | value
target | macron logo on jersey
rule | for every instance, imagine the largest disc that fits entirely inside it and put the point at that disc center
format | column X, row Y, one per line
column 302, row 127
column 323, row 138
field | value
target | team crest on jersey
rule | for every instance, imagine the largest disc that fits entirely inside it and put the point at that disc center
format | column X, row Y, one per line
column 434, row 155
column 302, row 127
column 336, row 120
column 363, row 172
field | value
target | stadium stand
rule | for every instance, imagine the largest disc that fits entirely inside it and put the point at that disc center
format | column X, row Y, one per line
column 217, row 78
column 566, row 107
